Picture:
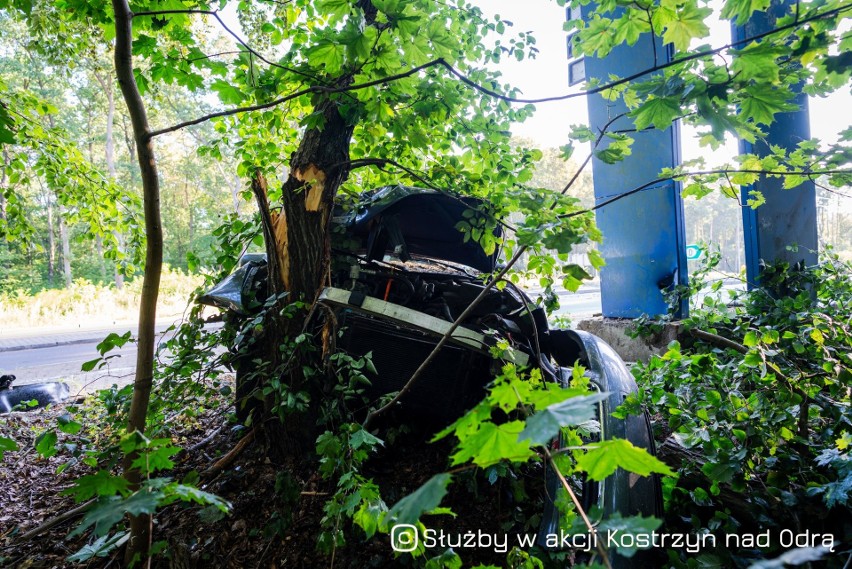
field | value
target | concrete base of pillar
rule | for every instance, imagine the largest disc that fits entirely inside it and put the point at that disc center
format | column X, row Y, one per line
column 617, row 333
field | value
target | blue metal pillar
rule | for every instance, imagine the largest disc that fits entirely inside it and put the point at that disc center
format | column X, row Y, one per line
column 644, row 242
column 785, row 227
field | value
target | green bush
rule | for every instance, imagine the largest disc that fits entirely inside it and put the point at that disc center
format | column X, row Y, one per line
column 756, row 399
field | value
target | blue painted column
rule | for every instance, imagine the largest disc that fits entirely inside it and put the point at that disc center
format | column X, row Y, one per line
column 644, row 239
column 789, row 217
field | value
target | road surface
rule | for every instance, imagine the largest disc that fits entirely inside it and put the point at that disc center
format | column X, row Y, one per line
column 63, row 362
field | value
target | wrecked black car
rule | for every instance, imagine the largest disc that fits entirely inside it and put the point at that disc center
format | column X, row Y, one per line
column 406, row 274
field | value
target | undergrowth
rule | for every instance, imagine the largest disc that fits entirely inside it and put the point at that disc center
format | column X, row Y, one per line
column 756, row 400
column 85, row 303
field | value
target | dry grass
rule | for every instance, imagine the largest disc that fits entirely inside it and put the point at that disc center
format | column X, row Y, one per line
column 85, row 304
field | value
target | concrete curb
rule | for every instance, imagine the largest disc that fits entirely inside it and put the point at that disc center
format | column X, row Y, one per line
column 53, row 344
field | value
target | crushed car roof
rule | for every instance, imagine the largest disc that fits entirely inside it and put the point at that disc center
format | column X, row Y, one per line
column 403, row 221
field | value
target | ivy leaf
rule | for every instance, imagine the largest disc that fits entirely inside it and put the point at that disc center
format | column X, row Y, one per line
column 721, row 472
column 426, row 498
column 795, row 556
column 605, row 457
column 492, row 443
column 68, row 425
column 543, row 427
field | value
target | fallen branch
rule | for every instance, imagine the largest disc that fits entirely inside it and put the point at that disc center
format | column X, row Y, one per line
column 204, row 441
column 232, row 455
column 53, row 522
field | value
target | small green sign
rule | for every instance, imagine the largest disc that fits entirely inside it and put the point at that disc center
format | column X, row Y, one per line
column 693, row 252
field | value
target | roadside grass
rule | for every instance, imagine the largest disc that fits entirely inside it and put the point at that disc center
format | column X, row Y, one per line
column 85, row 304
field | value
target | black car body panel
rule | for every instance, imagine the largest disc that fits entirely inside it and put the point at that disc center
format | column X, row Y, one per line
column 396, row 308
column 406, row 221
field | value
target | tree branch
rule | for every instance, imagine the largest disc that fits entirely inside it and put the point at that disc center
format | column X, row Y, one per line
column 695, row 174
column 316, row 89
column 187, row 11
column 484, row 90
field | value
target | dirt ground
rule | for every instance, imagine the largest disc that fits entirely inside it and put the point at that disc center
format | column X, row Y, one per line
column 31, row 493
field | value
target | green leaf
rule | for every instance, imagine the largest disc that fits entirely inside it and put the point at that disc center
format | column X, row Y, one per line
column 605, row 457
column 598, row 37
column 630, row 27
column 659, row 112
column 491, row 443
column 757, row 62
column 336, row 8
column 68, row 425
column 617, row 526
column 154, row 459
column 543, row 427
column 618, row 149
column 426, row 498
column 721, row 473
column 110, row 510
column 7, row 444
column 101, row 483
column 90, row 365
column 187, row 493
column 45, row 444
column 760, row 103
column 795, row 556
column 228, row 93
column 101, row 547
column 688, row 23
column 753, row 359
column 364, row 438
column 7, row 136
column 112, row 340
column 743, row 9
column 327, row 54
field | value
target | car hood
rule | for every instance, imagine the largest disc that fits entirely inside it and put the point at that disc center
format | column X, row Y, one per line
column 405, row 221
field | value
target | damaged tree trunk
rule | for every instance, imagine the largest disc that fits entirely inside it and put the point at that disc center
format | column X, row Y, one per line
column 298, row 244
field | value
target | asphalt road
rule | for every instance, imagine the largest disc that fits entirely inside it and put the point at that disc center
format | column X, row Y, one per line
column 64, row 362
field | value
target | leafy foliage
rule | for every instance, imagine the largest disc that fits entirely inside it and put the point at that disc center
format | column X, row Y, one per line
column 392, row 71
column 762, row 395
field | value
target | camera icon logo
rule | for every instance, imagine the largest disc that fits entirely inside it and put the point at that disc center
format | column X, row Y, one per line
column 404, row 538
